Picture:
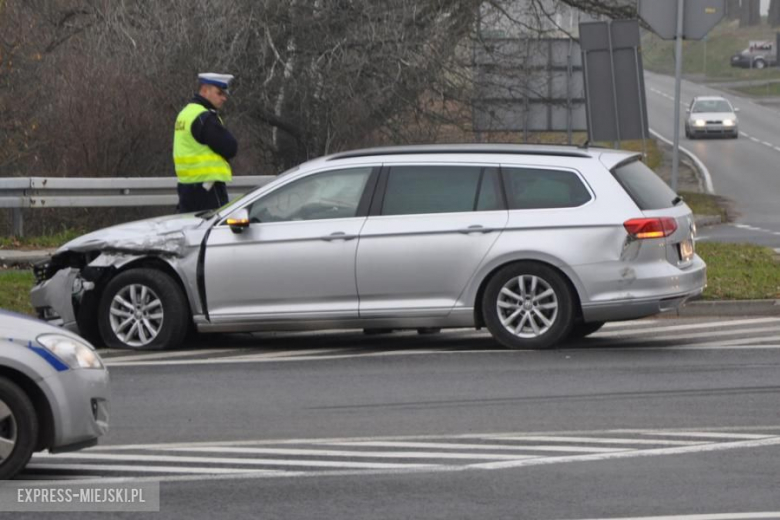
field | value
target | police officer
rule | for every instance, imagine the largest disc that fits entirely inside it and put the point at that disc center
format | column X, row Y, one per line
column 202, row 147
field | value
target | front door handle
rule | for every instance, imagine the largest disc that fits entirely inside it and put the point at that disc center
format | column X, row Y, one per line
column 475, row 229
column 338, row 235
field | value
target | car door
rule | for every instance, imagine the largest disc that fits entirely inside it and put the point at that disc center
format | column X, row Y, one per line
column 429, row 229
column 296, row 260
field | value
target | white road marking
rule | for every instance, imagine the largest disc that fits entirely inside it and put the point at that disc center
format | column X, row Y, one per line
column 709, row 333
column 224, row 460
column 597, row 440
column 633, row 453
column 770, row 145
column 452, row 446
column 716, row 516
column 672, row 328
column 168, row 355
column 709, row 435
column 630, row 323
column 148, row 469
column 371, row 454
column 751, row 342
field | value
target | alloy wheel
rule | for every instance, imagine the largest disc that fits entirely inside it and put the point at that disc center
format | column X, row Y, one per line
column 136, row 315
column 527, row 306
column 8, row 431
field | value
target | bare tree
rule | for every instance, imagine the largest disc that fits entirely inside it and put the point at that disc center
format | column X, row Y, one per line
column 774, row 13
column 732, row 9
column 750, row 14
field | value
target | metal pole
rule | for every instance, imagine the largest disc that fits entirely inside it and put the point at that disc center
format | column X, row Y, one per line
column 677, row 85
column 568, row 93
column 17, row 222
column 705, row 57
column 614, row 86
column 642, row 109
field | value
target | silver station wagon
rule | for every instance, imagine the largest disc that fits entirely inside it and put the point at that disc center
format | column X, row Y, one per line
column 536, row 243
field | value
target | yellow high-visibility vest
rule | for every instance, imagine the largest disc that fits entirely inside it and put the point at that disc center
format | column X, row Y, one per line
column 196, row 162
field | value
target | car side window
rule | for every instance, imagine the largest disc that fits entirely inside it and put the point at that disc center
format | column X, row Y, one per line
column 415, row 190
column 529, row 188
column 327, row 195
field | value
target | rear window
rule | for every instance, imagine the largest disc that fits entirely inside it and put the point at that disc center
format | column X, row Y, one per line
column 644, row 186
column 529, row 188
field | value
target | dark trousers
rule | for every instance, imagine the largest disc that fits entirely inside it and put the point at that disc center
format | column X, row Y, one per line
column 194, row 197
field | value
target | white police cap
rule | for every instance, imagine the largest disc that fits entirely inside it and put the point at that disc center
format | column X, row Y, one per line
column 220, row 80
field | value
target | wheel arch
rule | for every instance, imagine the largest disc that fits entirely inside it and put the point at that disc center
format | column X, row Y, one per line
column 40, row 403
column 148, row 262
column 568, row 277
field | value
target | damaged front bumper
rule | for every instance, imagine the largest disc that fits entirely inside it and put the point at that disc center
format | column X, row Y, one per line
column 53, row 298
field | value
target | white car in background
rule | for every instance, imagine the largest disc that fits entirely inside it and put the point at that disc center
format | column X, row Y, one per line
column 711, row 116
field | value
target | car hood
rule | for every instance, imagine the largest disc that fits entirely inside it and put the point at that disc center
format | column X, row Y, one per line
column 155, row 235
column 712, row 116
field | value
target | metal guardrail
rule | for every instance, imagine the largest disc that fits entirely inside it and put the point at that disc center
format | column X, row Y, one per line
column 63, row 192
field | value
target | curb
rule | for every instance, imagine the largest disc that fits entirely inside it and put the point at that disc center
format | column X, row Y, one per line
column 702, row 308
column 707, row 220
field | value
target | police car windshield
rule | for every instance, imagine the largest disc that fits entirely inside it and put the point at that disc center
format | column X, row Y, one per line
column 205, row 215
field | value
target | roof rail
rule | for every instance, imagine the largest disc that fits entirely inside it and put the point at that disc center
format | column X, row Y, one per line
column 551, row 150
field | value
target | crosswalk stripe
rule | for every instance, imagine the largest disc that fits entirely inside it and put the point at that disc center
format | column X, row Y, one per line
column 709, row 435
column 436, row 445
column 594, row 440
column 687, row 326
column 243, row 461
column 147, row 469
column 358, row 454
column 709, row 334
column 169, row 355
column 289, row 353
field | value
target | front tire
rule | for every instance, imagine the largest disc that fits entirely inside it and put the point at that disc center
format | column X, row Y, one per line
column 143, row 309
column 18, row 429
column 528, row 305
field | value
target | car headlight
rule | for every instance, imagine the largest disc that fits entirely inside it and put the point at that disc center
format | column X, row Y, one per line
column 728, row 122
column 71, row 351
column 700, row 122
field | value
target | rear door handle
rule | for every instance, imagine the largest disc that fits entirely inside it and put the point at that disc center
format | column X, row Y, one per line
column 338, row 235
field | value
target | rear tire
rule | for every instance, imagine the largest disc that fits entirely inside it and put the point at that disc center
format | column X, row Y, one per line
column 18, row 429
column 528, row 305
column 582, row 330
column 143, row 309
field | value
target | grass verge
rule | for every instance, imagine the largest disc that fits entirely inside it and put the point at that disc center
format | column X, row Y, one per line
column 710, row 58
column 15, row 285
column 40, row 242
column 766, row 90
column 740, row 271
column 704, row 204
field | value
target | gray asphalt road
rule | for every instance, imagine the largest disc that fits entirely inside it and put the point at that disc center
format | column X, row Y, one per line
column 631, row 423
column 746, row 170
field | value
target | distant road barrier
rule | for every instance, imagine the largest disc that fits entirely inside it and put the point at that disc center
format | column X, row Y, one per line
column 17, row 193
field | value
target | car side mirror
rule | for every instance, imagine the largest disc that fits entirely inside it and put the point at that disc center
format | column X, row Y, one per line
column 238, row 221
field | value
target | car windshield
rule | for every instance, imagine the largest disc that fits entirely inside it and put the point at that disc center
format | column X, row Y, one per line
column 205, row 215
column 712, row 105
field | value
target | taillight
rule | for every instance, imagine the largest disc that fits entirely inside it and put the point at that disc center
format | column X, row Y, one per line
column 641, row 228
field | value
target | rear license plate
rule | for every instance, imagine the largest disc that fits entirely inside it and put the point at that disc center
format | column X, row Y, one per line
column 686, row 250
